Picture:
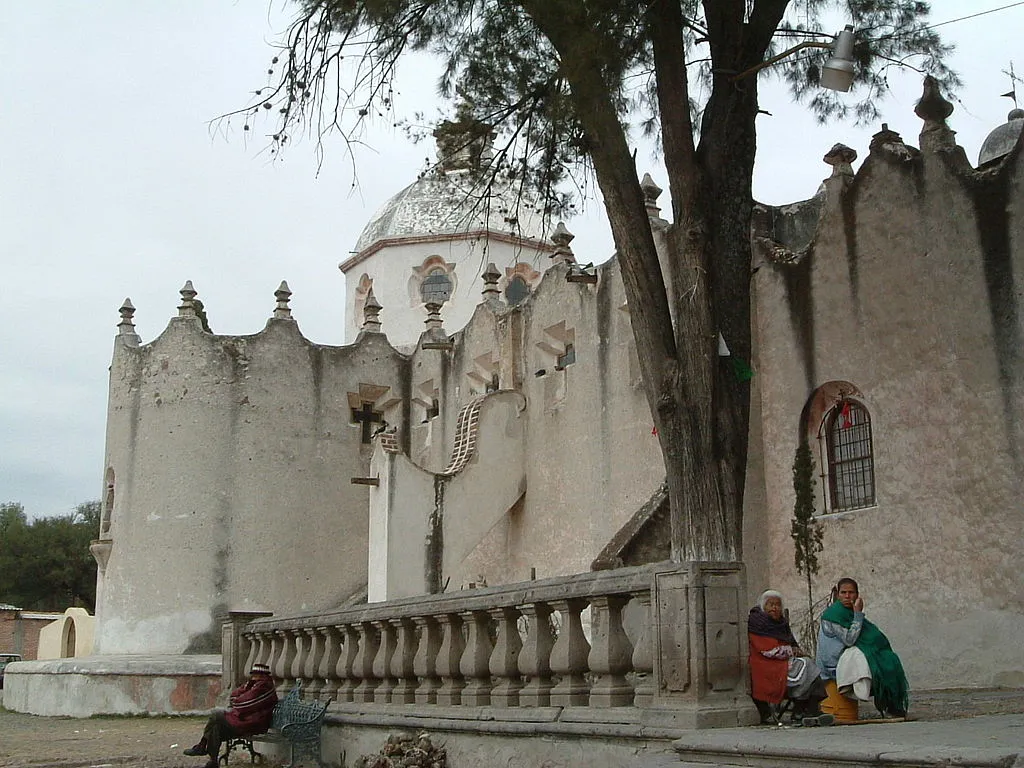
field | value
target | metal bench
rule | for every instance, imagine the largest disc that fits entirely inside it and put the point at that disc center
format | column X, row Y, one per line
column 295, row 722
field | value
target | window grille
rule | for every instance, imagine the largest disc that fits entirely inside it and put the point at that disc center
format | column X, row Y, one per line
column 436, row 287
column 850, row 457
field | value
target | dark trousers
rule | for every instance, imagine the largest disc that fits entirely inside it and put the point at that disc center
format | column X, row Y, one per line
column 216, row 732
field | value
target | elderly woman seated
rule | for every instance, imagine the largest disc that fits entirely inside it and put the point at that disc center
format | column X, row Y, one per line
column 779, row 669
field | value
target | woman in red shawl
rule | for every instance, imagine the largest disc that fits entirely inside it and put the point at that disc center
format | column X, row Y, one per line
column 779, row 669
column 252, row 709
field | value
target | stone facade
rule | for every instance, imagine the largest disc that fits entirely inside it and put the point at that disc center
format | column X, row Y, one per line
column 288, row 476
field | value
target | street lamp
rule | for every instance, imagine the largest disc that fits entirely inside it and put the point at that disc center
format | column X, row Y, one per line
column 837, row 73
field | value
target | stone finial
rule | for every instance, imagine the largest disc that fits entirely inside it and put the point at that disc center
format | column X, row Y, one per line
column 841, row 157
column 283, row 295
column 933, row 108
column 127, row 311
column 651, row 194
column 491, row 277
column 187, row 308
column 371, row 313
column 561, row 237
column 433, row 321
column 890, row 143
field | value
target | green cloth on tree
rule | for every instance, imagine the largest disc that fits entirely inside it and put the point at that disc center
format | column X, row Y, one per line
column 889, row 686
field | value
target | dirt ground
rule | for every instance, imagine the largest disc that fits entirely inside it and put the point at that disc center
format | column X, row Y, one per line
column 148, row 742
column 28, row 741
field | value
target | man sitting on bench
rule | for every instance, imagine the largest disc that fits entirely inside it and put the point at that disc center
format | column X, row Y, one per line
column 252, row 708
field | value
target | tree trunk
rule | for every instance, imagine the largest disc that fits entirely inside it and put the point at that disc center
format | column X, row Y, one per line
column 698, row 404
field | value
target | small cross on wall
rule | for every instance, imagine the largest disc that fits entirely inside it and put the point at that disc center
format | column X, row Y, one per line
column 367, row 417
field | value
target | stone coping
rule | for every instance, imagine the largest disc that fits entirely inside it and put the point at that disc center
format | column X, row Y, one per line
column 149, row 666
column 613, row 723
column 620, row 581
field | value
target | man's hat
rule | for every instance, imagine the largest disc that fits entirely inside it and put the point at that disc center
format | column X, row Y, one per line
column 260, row 669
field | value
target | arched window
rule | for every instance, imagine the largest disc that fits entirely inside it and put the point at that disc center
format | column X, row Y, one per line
column 436, row 287
column 517, row 290
column 849, row 457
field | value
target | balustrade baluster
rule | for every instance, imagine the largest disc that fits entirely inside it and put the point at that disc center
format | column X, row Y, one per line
column 328, row 670
column 569, row 655
column 382, row 661
column 611, row 653
column 253, row 655
column 503, row 663
column 475, row 660
column 347, row 671
column 404, row 691
column 286, row 655
column 535, row 656
column 311, row 670
column 643, row 657
column 362, row 667
column 424, row 664
column 298, row 669
column 448, row 657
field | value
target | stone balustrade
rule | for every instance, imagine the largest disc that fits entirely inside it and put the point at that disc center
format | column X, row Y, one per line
column 607, row 639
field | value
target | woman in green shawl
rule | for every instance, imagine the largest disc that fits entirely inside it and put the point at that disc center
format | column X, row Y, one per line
column 843, row 625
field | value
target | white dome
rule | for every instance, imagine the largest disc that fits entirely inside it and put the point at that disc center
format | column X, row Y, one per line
column 1002, row 139
column 444, row 203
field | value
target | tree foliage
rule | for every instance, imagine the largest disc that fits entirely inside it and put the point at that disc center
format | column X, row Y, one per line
column 45, row 564
column 563, row 84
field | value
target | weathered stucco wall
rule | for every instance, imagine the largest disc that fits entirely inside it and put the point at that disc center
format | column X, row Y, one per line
column 910, row 292
column 232, row 458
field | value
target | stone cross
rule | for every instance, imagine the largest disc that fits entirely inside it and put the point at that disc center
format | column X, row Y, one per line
column 366, row 417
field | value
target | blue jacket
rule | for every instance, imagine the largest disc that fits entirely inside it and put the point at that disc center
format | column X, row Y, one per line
column 833, row 639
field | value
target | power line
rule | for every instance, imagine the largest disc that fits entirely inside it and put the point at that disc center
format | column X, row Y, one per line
column 952, row 21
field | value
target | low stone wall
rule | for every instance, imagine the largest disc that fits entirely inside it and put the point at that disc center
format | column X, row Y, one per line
column 114, row 685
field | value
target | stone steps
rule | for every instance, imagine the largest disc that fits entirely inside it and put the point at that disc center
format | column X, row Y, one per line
column 988, row 742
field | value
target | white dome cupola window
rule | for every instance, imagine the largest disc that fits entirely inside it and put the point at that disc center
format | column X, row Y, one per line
column 436, row 287
column 520, row 282
column 432, row 282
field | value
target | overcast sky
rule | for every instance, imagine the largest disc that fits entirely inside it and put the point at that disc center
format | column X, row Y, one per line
column 113, row 184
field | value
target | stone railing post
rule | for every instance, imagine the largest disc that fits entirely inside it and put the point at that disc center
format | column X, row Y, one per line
column 237, row 647
column 404, row 691
column 569, row 655
column 424, row 664
column 610, row 653
column 475, row 660
column 382, row 661
column 346, row 669
column 311, row 670
column 503, row 663
column 328, row 671
column 535, row 656
column 643, row 660
column 448, row 657
column 362, row 667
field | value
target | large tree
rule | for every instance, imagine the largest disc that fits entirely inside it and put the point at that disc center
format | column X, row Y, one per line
column 559, row 81
column 45, row 564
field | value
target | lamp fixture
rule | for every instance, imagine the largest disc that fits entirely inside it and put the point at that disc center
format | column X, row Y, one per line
column 837, row 73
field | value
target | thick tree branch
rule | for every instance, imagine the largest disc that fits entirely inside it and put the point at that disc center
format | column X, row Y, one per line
column 666, row 32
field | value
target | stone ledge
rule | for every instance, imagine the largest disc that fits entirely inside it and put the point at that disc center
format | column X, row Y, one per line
column 616, row 722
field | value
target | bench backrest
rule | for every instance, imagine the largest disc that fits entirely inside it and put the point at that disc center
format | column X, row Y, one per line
column 292, row 710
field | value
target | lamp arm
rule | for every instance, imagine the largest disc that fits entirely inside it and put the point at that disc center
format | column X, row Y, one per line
column 781, row 56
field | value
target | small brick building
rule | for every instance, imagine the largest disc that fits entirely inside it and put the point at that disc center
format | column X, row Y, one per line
column 19, row 630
